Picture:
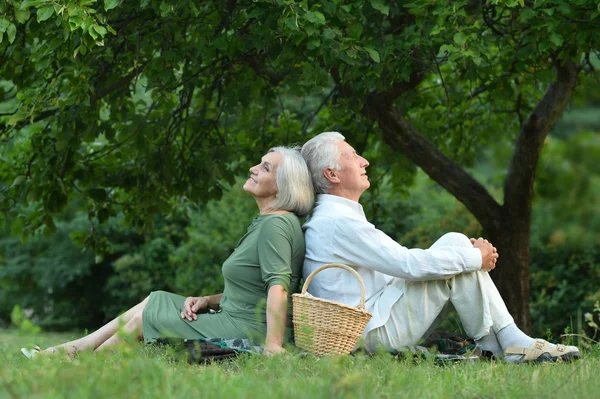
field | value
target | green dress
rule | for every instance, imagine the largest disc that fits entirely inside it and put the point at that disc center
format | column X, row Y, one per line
column 270, row 253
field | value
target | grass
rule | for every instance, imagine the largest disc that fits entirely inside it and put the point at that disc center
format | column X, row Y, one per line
column 149, row 372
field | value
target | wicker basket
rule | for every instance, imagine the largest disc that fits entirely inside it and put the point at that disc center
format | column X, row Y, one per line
column 324, row 327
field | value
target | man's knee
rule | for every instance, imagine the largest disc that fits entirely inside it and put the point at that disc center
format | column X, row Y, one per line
column 454, row 239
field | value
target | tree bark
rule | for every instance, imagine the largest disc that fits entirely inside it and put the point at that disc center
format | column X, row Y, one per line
column 507, row 226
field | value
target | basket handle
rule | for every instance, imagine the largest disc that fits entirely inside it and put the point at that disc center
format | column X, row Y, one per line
column 339, row 266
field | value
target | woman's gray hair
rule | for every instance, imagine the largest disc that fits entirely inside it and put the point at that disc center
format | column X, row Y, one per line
column 321, row 152
column 294, row 187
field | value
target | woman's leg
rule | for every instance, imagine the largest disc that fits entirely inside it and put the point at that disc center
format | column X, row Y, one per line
column 98, row 337
column 134, row 327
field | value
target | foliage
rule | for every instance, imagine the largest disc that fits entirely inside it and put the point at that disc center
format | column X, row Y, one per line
column 54, row 279
column 564, row 286
column 568, row 188
column 140, row 105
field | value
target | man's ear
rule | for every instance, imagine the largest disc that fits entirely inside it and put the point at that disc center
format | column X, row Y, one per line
column 331, row 175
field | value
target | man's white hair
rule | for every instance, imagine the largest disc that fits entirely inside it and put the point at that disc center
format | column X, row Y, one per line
column 321, row 152
column 294, row 187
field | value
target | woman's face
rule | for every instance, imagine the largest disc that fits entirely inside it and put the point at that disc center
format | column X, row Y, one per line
column 262, row 182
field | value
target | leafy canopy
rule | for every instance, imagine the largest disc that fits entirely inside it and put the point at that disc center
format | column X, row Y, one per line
column 135, row 106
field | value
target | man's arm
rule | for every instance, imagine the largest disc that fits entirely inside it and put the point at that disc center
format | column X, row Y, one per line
column 359, row 243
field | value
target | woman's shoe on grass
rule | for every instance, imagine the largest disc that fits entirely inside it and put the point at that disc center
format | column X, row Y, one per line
column 30, row 353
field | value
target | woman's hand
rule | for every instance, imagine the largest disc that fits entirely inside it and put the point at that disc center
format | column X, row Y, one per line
column 192, row 306
column 273, row 349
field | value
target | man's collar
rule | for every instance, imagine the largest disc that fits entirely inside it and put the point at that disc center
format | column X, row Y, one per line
column 328, row 199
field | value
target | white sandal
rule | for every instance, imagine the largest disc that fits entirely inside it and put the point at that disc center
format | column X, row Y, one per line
column 31, row 353
column 542, row 351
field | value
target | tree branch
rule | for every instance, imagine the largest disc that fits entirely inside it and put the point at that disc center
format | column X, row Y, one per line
column 123, row 82
column 261, row 70
column 518, row 188
column 403, row 137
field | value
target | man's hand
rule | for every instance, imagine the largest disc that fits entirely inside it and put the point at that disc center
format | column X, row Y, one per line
column 192, row 306
column 489, row 253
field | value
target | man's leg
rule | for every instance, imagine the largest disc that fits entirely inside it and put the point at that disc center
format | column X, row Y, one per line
column 474, row 296
column 424, row 305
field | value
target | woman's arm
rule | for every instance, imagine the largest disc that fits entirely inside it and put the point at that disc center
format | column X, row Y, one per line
column 277, row 300
column 214, row 301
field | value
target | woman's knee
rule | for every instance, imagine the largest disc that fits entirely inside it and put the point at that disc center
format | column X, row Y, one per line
column 137, row 319
column 454, row 239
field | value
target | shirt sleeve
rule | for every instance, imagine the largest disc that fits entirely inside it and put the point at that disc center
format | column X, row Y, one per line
column 275, row 253
column 359, row 243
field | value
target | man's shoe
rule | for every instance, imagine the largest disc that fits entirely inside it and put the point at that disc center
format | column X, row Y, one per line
column 542, row 351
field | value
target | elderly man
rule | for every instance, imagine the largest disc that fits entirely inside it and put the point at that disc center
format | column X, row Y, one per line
column 408, row 291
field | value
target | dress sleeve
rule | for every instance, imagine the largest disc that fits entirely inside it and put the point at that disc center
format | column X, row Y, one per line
column 275, row 253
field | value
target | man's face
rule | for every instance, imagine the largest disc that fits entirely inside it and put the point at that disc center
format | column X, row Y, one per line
column 353, row 175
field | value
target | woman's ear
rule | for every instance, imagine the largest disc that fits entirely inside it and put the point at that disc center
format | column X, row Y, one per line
column 331, row 175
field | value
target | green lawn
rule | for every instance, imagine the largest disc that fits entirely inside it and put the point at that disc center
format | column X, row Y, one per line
column 146, row 372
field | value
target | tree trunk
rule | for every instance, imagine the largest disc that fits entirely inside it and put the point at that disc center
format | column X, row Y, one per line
column 512, row 274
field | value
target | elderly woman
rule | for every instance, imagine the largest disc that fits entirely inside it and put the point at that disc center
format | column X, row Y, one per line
column 260, row 275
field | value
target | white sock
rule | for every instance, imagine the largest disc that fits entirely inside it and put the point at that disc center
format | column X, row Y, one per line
column 490, row 343
column 511, row 335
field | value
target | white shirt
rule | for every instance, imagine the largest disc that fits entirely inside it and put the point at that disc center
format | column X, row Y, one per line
column 338, row 232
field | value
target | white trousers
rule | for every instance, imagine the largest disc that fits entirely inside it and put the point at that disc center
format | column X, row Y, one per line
column 424, row 304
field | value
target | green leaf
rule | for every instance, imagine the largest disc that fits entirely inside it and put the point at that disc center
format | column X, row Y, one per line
column 320, row 17
column 291, row 23
column 556, row 39
column 313, row 44
column 98, row 194
column 4, row 24
column 16, row 118
column 381, row 6
column 92, row 32
column 103, row 215
column 459, row 38
column 19, row 180
column 22, row 15
column 44, row 13
column 32, row 3
column 373, row 53
column 11, row 33
column 110, row 4
column 526, row 14
column 100, row 29
column 447, row 47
